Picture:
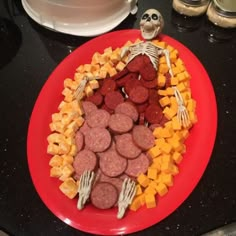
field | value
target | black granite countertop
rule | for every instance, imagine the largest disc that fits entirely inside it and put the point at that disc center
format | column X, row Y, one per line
column 29, row 53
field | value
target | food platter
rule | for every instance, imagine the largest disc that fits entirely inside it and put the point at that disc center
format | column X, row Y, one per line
column 199, row 143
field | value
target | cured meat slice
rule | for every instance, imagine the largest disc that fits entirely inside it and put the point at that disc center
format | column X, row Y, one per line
column 79, row 140
column 112, row 164
column 130, row 84
column 149, row 83
column 126, row 147
column 120, row 74
column 141, row 119
column 96, row 99
column 137, row 166
column 113, row 99
column 142, row 107
column 84, row 128
column 138, row 94
column 104, row 195
column 97, row 139
column 104, row 107
column 130, row 76
column 84, row 160
column 127, row 109
column 120, row 123
column 153, row 114
column 88, row 107
column 143, row 137
column 109, row 85
column 98, row 118
column 153, row 96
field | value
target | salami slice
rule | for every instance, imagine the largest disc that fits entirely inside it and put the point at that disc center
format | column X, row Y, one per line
column 143, row 137
column 79, row 140
column 126, row 147
column 84, row 128
column 88, row 107
column 130, row 76
column 112, row 164
column 84, row 160
column 128, row 109
column 153, row 114
column 97, row 139
column 149, row 83
column 120, row 123
column 104, row 195
column 130, row 84
column 98, row 118
column 109, row 85
column 137, row 166
column 113, row 99
column 138, row 94
column 142, row 107
column 96, row 99
column 153, row 96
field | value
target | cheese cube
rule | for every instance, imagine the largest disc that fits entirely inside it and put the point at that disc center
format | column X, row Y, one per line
column 93, row 84
column 169, row 113
column 67, row 171
column 154, row 151
column 174, row 81
column 161, row 189
column 150, row 200
column 164, row 101
column 69, row 188
column 166, row 147
column 136, row 204
column 152, row 173
column 177, row 157
column 120, row 66
column 161, row 80
column 55, row 171
column 167, row 179
column 138, row 190
column 143, row 180
column 163, row 68
column 150, row 190
column 56, row 160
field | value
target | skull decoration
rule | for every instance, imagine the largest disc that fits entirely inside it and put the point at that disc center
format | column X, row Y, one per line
column 151, row 24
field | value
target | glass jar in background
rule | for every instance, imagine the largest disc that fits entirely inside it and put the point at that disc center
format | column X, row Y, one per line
column 222, row 13
column 190, row 7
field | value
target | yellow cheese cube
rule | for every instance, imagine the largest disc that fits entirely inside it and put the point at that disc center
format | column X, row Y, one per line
column 150, row 190
column 93, row 84
column 153, row 184
column 170, row 48
column 162, row 59
column 67, row 159
column 55, row 171
column 179, row 62
column 181, row 87
column 112, row 71
column 170, row 91
column 161, row 80
column 174, row 170
column 193, row 117
column 69, row 188
column 163, row 68
column 175, row 123
column 115, row 57
column 103, row 73
column 150, row 200
column 120, row 66
column 191, row 105
column 161, row 189
column 88, row 90
column 159, row 141
column 73, row 150
column 53, row 149
column 161, row 44
column 175, row 143
column 166, row 167
column 166, row 147
column 154, row 151
column 177, row 157
column 152, row 173
column 56, row 160
column 162, row 92
column 174, row 81
column 169, row 113
column 164, row 101
column 167, row 179
column 67, row 171
column 136, row 204
column 138, row 190
column 143, row 180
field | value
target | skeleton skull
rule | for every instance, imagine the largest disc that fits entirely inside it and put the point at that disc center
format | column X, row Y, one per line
column 151, row 24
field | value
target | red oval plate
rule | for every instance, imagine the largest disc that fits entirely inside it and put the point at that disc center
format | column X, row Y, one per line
column 199, row 143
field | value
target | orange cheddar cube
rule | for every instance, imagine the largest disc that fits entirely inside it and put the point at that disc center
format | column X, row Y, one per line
column 69, row 188
column 166, row 167
column 177, row 157
column 175, row 123
column 154, row 151
column 143, row 180
column 161, row 189
column 162, row 92
column 174, row 170
column 150, row 190
column 174, row 81
column 152, row 173
column 181, row 87
column 56, row 171
column 56, row 160
column 191, row 105
column 164, row 101
column 162, row 60
column 170, row 91
column 169, row 113
column 159, row 141
column 138, row 190
column 120, row 66
column 163, row 68
column 166, row 147
column 150, row 200
column 161, row 44
column 161, row 80
column 167, row 179
column 136, row 204
column 157, row 132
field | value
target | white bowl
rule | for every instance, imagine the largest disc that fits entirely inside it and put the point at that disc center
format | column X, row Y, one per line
column 80, row 17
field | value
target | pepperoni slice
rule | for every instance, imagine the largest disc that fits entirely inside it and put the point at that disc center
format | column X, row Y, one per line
column 138, row 94
column 121, row 82
column 113, row 99
column 137, row 166
column 96, row 99
column 153, row 114
column 109, row 85
column 149, row 83
column 143, row 137
column 120, row 123
column 112, row 164
column 98, row 139
column 153, row 96
column 104, row 195
column 126, row 147
column 130, row 84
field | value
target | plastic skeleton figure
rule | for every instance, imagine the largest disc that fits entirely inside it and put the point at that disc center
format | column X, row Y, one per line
column 151, row 25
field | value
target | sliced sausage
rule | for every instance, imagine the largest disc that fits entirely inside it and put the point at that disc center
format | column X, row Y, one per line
column 113, row 99
column 120, row 123
column 112, row 164
column 84, row 128
column 138, row 94
column 130, row 84
column 143, row 137
column 141, row 120
column 153, row 114
column 153, row 96
column 137, row 166
column 104, row 195
column 142, row 107
column 96, row 99
column 126, row 147
column 84, row 160
column 130, row 76
column 79, row 140
column 149, row 83
column 98, row 139
column 127, row 109
column 109, row 85
column 99, row 118
column 88, row 107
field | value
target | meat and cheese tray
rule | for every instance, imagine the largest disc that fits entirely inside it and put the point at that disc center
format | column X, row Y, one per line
column 122, row 131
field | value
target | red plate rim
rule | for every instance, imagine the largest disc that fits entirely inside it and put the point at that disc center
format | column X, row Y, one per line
column 199, row 143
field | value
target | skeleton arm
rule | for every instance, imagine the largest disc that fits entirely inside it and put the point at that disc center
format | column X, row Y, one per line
column 167, row 55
